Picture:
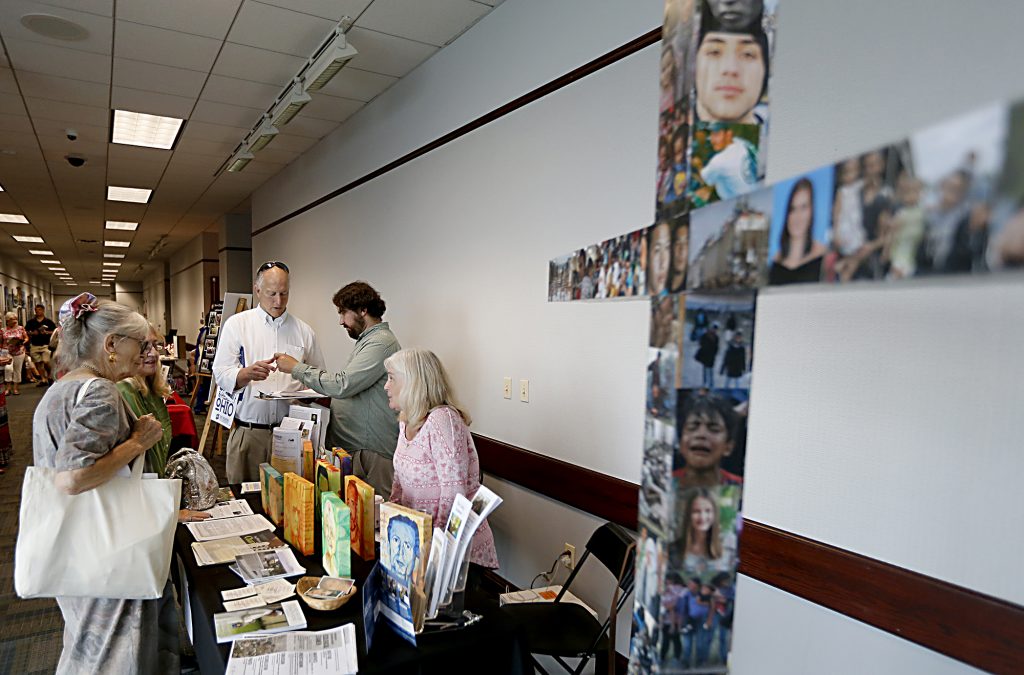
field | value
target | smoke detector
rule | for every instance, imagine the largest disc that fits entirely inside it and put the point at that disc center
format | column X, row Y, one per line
column 54, row 27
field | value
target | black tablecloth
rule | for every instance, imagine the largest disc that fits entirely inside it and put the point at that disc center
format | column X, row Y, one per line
column 491, row 646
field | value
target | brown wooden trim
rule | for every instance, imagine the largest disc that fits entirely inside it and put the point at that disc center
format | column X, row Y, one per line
column 198, row 262
column 234, row 248
column 631, row 47
column 977, row 629
column 596, row 493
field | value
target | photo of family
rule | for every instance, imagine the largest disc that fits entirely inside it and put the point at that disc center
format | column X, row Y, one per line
column 729, row 243
column 719, row 338
column 801, row 229
column 615, row 268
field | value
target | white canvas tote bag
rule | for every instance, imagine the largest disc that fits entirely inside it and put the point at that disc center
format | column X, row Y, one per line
column 113, row 541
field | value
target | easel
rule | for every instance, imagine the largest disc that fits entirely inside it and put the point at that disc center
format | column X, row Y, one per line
column 219, row 441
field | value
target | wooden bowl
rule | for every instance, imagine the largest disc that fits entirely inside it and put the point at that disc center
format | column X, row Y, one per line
column 306, row 583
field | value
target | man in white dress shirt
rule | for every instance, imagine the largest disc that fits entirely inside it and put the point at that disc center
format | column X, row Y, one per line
column 245, row 363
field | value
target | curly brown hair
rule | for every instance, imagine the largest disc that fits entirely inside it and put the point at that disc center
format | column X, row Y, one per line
column 358, row 296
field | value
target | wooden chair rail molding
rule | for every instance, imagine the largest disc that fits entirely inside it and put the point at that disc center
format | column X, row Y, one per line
column 979, row 630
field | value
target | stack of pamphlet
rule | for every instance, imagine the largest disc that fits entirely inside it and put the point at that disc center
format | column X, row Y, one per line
column 332, row 651
column 261, row 566
column 225, row 550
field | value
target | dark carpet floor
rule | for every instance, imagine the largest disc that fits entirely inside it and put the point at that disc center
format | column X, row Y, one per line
column 31, row 631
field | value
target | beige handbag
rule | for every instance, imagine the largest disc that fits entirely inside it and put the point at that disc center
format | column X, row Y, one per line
column 113, row 541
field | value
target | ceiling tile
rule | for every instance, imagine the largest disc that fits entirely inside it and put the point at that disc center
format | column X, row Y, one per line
column 186, row 165
column 18, row 123
column 277, row 154
column 11, row 105
column 123, row 98
column 122, row 171
column 36, row 57
column 213, row 132
column 361, row 85
column 222, row 113
column 292, row 143
column 328, row 9
column 56, row 147
column 332, row 108
column 166, row 47
column 154, row 77
column 210, row 18
column 198, row 146
column 136, row 153
column 278, row 29
column 436, row 22
column 7, row 82
column 87, row 133
column 98, row 27
column 258, row 65
column 101, row 7
column 62, row 89
column 240, row 92
column 386, row 54
column 72, row 113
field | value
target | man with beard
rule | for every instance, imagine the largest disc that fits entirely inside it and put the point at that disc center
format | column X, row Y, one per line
column 361, row 421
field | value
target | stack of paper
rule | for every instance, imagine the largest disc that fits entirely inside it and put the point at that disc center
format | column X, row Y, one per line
column 225, row 550
column 259, row 621
column 332, row 651
column 262, row 566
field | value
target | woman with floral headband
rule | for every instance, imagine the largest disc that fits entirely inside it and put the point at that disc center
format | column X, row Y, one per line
column 83, row 429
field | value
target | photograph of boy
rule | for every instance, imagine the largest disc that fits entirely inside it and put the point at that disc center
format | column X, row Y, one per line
column 712, row 427
column 725, row 161
column 801, row 228
column 732, row 71
column 729, row 243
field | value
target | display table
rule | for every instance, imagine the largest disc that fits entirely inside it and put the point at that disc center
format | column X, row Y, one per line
column 491, row 646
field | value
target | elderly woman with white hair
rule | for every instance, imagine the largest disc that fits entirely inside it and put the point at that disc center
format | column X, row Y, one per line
column 14, row 339
column 83, row 428
column 435, row 458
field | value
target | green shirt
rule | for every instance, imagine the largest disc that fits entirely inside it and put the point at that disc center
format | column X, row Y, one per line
column 360, row 416
column 156, row 456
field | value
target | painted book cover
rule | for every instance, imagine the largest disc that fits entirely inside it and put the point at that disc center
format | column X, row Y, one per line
column 359, row 497
column 328, row 479
column 309, row 461
column 286, row 450
column 336, row 533
column 404, row 548
column 341, row 459
column 272, row 493
column 298, row 513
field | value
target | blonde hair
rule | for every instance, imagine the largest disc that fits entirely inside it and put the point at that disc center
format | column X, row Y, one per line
column 82, row 340
column 154, row 383
column 424, row 387
column 11, row 315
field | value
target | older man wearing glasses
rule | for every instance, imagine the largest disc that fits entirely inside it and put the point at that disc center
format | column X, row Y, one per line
column 245, row 364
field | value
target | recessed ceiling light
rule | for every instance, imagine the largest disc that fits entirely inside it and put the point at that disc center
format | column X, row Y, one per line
column 109, row 264
column 40, row 251
column 13, row 217
column 50, row 262
column 28, row 240
column 149, row 131
column 117, row 244
column 113, row 255
column 55, row 27
column 128, row 194
column 121, row 225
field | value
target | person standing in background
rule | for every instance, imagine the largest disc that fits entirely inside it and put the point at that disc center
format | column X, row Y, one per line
column 14, row 340
column 40, row 329
column 244, row 364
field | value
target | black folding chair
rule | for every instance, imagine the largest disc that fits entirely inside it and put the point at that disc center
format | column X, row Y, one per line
column 565, row 630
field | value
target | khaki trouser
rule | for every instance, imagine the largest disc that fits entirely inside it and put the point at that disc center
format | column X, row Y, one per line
column 247, row 449
column 376, row 469
column 40, row 354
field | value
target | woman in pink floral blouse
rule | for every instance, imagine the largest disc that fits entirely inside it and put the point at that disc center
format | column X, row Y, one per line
column 435, row 458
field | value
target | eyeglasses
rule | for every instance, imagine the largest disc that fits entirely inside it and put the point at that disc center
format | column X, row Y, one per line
column 145, row 346
column 273, row 263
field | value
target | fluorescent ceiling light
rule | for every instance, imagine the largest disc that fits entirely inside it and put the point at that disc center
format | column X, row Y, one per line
column 325, row 66
column 50, row 262
column 56, row 269
column 62, row 275
column 40, row 251
column 260, row 138
column 121, row 225
column 117, row 244
column 240, row 160
column 106, row 264
column 128, row 194
column 149, row 131
column 70, row 284
column 289, row 106
column 13, row 217
column 113, row 255
column 28, row 240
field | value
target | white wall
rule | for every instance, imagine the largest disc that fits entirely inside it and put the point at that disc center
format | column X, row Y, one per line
column 191, row 269
column 458, row 243
column 129, row 293
column 154, row 297
column 14, row 276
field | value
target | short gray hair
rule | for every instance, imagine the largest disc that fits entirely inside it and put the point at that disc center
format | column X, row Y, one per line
column 11, row 315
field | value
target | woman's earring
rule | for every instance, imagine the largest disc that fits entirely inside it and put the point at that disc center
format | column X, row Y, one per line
column 113, row 357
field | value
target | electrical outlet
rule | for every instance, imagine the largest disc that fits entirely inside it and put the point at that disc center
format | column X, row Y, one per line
column 508, row 388
column 570, row 560
column 524, row 391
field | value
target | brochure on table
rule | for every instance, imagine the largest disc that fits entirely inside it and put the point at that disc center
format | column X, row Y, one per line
column 329, row 652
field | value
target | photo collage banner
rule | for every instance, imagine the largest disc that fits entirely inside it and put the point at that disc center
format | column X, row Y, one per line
column 947, row 200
